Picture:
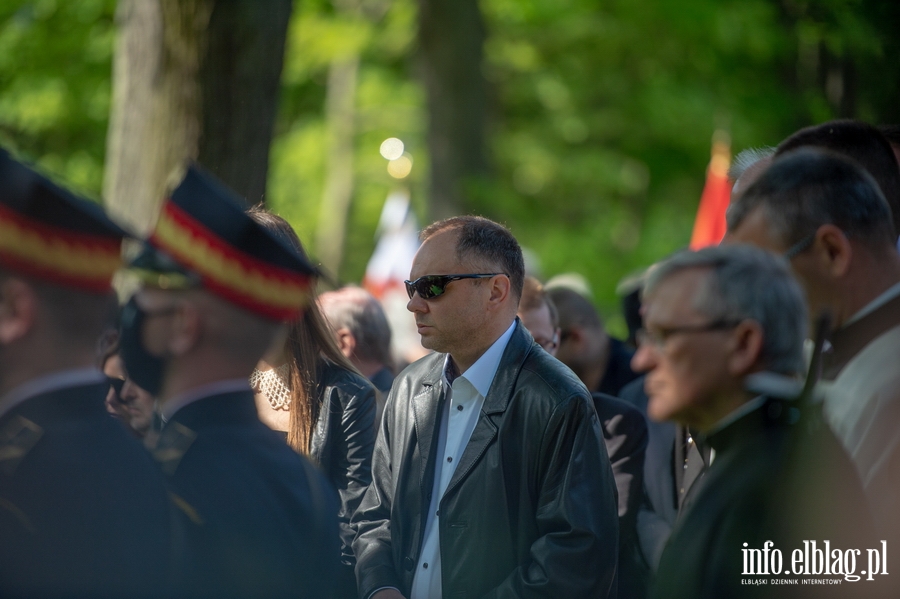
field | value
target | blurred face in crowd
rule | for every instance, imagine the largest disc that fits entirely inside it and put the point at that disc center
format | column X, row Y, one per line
column 685, row 354
column 138, row 405
column 114, row 369
column 455, row 321
column 540, row 325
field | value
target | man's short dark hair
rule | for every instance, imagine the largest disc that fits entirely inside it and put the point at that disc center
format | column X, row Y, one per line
column 807, row 188
column 860, row 142
column 483, row 240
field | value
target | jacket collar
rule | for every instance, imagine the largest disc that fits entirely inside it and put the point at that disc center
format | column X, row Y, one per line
column 517, row 350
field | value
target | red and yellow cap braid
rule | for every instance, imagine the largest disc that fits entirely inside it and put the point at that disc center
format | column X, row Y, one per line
column 57, row 255
column 253, row 284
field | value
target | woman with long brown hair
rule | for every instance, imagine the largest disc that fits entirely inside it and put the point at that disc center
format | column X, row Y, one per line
column 309, row 390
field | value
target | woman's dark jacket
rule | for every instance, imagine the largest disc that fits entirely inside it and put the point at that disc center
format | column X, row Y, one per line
column 342, row 445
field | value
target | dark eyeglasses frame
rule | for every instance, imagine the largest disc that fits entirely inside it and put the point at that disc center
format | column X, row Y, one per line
column 659, row 338
column 799, row 247
column 432, row 286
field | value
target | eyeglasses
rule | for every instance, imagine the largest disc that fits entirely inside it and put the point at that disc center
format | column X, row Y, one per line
column 799, row 247
column 659, row 337
column 431, row 286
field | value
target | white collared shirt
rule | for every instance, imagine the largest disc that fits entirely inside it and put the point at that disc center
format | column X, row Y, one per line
column 168, row 409
column 892, row 292
column 461, row 409
column 76, row 377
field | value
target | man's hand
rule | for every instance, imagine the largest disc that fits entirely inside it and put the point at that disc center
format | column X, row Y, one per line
column 388, row 594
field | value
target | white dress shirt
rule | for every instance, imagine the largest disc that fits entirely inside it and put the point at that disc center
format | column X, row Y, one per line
column 461, row 410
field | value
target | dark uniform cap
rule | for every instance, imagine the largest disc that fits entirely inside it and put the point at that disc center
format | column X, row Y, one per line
column 49, row 233
column 205, row 238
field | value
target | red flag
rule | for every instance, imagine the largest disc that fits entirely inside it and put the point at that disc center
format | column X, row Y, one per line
column 709, row 226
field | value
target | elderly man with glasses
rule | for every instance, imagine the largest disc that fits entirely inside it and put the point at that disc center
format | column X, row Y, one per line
column 718, row 324
column 490, row 475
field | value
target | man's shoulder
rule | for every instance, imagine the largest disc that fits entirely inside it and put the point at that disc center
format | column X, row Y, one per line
column 542, row 372
column 65, row 426
column 879, row 351
column 427, row 370
column 871, row 375
column 220, row 429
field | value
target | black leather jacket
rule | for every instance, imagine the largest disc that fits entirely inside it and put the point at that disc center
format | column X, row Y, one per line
column 342, row 443
column 531, row 509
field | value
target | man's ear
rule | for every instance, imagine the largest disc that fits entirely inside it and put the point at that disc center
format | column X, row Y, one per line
column 745, row 348
column 501, row 287
column 833, row 251
column 18, row 309
column 187, row 327
column 346, row 341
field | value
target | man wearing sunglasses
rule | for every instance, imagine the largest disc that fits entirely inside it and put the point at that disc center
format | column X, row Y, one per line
column 490, row 475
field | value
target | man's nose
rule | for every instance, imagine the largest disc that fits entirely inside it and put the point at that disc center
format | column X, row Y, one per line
column 416, row 304
column 645, row 358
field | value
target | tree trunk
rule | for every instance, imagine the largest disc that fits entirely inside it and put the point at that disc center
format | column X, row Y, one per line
column 340, row 114
column 154, row 121
column 239, row 78
column 192, row 80
column 451, row 37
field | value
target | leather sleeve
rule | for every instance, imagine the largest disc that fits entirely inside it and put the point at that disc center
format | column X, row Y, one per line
column 577, row 550
column 352, row 453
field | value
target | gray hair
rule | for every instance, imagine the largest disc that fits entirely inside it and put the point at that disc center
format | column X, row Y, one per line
column 747, row 283
column 807, row 188
column 747, row 158
column 358, row 311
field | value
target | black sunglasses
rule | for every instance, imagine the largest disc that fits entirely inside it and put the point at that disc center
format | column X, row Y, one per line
column 432, row 286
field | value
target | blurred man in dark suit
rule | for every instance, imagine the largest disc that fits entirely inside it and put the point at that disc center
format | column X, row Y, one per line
column 217, row 288
column 603, row 363
column 83, row 509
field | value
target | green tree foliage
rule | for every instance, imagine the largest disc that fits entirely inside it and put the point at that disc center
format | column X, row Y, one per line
column 601, row 112
column 389, row 103
column 605, row 110
column 55, row 67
